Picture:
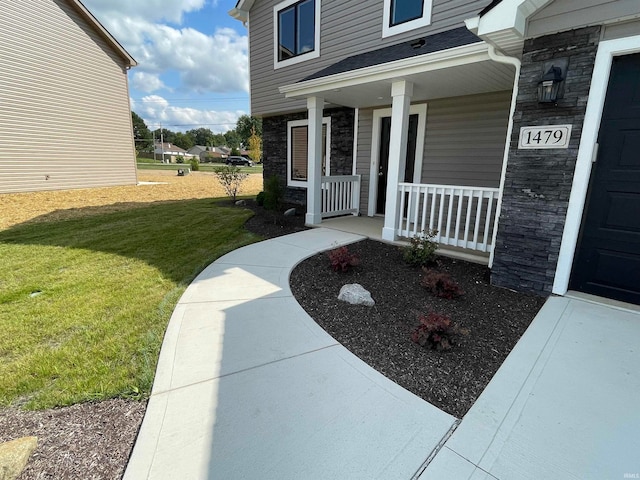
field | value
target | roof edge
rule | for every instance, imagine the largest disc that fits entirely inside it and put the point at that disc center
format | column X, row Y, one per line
column 87, row 15
column 241, row 10
column 503, row 23
column 456, row 55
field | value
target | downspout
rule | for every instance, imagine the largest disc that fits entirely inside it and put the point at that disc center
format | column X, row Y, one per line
column 496, row 57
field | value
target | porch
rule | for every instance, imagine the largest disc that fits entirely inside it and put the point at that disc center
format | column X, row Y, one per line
column 463, row 217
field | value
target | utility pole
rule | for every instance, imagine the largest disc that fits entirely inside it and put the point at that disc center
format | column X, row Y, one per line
column 162, row 142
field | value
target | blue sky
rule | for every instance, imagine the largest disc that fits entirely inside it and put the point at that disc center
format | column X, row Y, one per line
column 192, row 60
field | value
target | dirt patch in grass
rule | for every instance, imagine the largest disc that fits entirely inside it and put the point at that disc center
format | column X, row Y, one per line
column 381, row 335
column 62, row 204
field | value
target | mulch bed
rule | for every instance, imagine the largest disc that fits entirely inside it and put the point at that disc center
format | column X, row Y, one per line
column 381, row 335
column 85, row 441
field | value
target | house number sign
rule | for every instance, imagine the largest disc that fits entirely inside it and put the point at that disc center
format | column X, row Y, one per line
column 548, row 136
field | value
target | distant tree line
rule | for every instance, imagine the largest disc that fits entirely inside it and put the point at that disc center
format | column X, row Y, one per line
column 247, row 134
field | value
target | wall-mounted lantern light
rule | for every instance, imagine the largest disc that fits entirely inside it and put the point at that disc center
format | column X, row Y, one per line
column 551, row 87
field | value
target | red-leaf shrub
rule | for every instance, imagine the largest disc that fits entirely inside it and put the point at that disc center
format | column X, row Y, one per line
column 441, row 284
column 436, row 331
column 341, row 259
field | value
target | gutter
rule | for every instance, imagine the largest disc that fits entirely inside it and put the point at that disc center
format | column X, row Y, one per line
column 496, row 57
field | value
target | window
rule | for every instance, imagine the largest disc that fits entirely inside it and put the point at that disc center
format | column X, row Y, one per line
column 405, row 15
column 297, row 164
column 296, row 31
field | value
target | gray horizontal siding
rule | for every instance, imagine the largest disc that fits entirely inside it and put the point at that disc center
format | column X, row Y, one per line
column 621, row 30
column 464, row 142
column 465, row 139
column 64, row 102
column 562, row 15
column 348, row 27
column 363, row 161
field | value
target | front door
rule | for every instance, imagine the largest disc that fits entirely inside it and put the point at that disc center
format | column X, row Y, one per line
column 607, row 261
column 383, row 162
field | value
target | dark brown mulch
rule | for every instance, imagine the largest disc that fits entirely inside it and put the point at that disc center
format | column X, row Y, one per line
column 269, row 224
column 380, row 335
column 85, row 441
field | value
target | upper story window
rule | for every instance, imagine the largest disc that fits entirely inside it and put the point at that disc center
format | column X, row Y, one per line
column 296, row 31
column 404, row 15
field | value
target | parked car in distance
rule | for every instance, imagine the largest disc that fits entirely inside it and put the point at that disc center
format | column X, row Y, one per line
column 239, row 161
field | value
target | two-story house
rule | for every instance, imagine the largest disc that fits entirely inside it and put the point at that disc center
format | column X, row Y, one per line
column 512, row 127
column 63, row 92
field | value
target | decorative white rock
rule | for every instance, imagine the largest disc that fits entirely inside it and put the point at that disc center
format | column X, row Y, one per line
column 356, row 294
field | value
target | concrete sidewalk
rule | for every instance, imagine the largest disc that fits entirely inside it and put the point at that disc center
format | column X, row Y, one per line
column 249, row 386
column 564, row 405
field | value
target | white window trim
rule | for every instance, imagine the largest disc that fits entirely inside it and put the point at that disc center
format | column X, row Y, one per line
column 388, row 31
column 315, row 53
column 419, row 109
column 300, row 123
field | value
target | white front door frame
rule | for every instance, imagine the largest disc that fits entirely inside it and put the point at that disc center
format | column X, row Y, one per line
column 378, row 115
column 591, row 126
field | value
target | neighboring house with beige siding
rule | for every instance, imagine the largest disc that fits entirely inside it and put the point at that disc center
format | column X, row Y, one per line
column 63, row 96
column 487, row 120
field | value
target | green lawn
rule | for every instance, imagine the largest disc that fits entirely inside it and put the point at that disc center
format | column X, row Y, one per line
column 204, row 167
column 84, row 303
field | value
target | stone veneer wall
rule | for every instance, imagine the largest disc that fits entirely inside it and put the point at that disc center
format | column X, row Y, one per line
column 538, row 182
column 274, row 147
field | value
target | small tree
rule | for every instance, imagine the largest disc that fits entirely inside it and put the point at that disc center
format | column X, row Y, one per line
column 255, row 146
column 231, row 179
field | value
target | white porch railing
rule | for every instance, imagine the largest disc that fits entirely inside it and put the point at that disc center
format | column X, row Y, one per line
column 340, row 195
column 463, row 216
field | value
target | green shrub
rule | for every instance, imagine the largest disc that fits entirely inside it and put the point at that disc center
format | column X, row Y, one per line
column 195, row 164
column 179, row 159
column 231, row 179
column 273, row 194
column 422, row 250
column 260, row 199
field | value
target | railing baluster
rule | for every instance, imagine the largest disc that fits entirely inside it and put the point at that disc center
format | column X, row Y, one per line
column 449, row 210
column 487, row 222
column 425, row 197
column 466, row 224
column 458, row 215
column 477, row 225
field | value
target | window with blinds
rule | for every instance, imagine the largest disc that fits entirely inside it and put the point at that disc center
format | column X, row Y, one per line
column 298, row 153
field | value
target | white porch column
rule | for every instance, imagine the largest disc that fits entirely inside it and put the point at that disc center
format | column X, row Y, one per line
column 314, row 161
column 401, row 92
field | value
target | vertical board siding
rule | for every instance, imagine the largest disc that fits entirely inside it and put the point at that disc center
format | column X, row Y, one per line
column 65, row 120
column 562, row 15
column 348, row 27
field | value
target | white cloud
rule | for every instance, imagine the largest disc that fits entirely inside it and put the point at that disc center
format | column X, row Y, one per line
column 146, row 82
column 154, row 10
column 204, row 63
column 156, row 110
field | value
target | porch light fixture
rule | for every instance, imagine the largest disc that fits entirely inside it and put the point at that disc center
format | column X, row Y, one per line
column 551, row 87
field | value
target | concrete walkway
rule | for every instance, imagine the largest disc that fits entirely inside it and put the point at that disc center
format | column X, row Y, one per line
column 249, row 386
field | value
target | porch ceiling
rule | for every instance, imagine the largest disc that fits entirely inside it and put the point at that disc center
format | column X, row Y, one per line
column 470, row 72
